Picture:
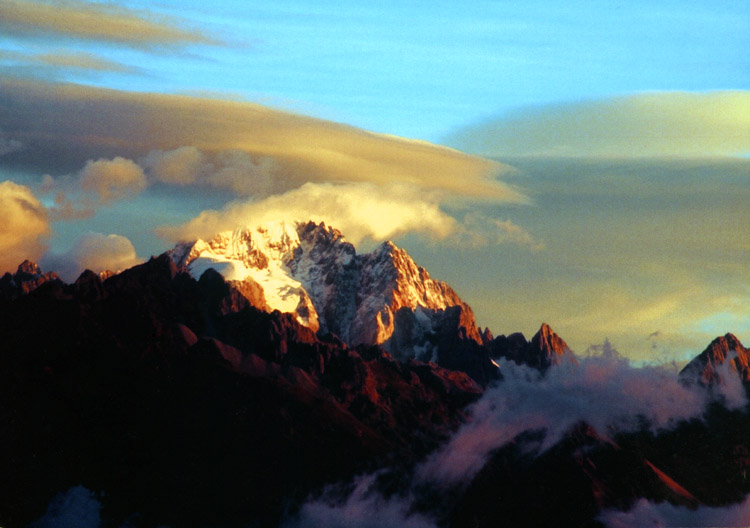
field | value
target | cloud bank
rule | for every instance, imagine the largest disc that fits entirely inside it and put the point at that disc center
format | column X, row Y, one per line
column 24, row 227
column 63, row 126
column 661, row 124
column 604, row 391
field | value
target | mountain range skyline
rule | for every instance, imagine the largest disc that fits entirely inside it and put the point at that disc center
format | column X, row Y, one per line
column 581, row 166
column 490, row 429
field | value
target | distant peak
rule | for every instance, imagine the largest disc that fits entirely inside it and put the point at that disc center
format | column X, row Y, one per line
column 703, row 368
column 386, row 247
column 546, row 340
column 29, row 268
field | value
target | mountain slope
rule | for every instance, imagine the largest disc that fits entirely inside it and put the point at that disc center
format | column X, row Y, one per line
column 189, row 406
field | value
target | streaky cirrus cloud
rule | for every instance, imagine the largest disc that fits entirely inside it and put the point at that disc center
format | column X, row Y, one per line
column 95, row 251
column 24, row 226
column 64, row 125
column 478, row 230
column 658, row 124
column 61, row 59
column 360, row 210
column 102, row 22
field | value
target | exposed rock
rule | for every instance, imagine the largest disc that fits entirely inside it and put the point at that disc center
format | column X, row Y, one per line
column 705, row 367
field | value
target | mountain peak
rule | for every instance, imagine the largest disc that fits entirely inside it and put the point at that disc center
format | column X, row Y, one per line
column 704, row 367
column 28, row 277
column 545, row 349
column 29, row 268
column 549, row 343
column 310, row 270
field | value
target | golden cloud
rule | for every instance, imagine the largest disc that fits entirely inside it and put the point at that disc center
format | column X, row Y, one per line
column 360, row 210
column 65, row 60
column 23, row 228
column 93, row 21
column 64, row 125
column 661, row 124
column 112, row 179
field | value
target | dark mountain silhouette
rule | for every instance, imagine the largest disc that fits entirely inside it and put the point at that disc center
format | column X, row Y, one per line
column 544, row 350
column 184, row 401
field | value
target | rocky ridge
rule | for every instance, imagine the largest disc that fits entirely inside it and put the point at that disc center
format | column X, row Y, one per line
column 546, row 349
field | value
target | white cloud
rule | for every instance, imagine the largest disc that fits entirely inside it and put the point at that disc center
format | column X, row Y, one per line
column 603, row 391
column 94, row 251
column 365, row 507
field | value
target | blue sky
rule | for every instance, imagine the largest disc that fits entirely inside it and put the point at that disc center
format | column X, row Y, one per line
column 599, row 184
column 421, row 69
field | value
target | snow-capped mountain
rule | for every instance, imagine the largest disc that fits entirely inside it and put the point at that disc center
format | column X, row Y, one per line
column 311, row 271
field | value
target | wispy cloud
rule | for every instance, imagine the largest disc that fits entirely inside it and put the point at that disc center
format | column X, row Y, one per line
column 102, row 22
column 60, row 60
column 604, row 391
column 645, row 513
column 660, row 124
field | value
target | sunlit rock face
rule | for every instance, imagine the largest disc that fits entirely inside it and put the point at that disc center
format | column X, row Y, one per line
column 312, row 272
column 704, row 368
